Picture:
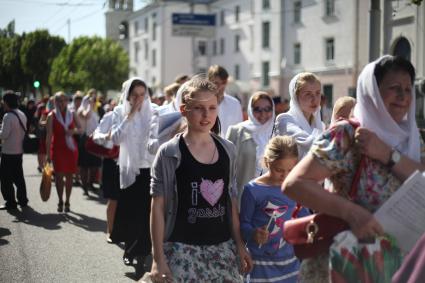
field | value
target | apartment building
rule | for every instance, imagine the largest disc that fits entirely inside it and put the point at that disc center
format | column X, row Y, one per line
column 264, row 43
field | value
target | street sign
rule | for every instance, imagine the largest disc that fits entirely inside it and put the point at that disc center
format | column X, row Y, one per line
column 197, row 25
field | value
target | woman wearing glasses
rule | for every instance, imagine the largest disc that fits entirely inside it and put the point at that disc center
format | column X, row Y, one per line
column 302, row 121
column 250, row 138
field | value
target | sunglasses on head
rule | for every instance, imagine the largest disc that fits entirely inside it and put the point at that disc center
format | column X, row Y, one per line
column 260, row 110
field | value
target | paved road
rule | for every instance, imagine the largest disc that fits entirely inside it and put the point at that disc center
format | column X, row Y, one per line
column 37, row 244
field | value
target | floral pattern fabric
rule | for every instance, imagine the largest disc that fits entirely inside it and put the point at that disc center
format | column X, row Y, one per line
column 203, row 263
column 335, row 149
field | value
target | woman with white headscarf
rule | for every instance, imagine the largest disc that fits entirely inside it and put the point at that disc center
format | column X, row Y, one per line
column 250, row 138
column 302, row 121
column 387, row 137
column 88, row 120
column 130, row 130
column 61, row 147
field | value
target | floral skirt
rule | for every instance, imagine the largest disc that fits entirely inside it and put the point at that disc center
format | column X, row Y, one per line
column 203, row 263
column 314, row 270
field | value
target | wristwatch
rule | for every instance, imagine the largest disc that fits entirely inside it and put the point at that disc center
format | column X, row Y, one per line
column 394, row 158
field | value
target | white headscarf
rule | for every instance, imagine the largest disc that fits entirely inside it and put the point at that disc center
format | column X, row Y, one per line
column 373, row 115
column 89, row 124
column 296, row 112
column 294, row 123
column 65, row 123
column 261, row 133
column 133, row 148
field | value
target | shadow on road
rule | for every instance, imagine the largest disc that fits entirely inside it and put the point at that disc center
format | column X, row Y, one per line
column 4, row 232
column 29, row 216
column 86, row 222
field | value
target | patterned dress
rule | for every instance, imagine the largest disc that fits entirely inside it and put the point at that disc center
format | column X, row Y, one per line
column 336, row 151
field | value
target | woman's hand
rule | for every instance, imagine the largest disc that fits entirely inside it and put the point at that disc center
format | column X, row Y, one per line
column 136, row 107
column 371, row 145
column 261, row 235
column 160, row 272
column 363, row 224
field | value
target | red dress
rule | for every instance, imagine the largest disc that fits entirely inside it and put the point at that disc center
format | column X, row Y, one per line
column 64, row 159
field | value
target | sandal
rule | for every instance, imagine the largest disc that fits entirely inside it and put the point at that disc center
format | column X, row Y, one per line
column 67, row 205
column 60, row 207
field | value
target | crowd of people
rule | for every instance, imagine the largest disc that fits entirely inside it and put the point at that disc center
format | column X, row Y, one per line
column 207, row 193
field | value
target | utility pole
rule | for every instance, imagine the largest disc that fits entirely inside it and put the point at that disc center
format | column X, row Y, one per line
column 374, row 29
column 192, row 8
column 69, row 30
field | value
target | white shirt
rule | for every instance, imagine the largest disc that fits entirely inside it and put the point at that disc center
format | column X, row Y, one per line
column 12, row 134
column 230, row 113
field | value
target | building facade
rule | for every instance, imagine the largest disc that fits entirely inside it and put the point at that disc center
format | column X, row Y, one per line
column 264, row 43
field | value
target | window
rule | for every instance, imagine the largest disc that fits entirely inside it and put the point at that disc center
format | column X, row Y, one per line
column 329, row 8
column 154, row 31
column 237, row 73
column 136, row 27
column 202, row 48
column 214, row 47
column 136, row 52
column 297, row 53
column 222, row 21
column 237, row 12
column 153, row 57
column 146, row 24
column 328, row 93
column 266, row 4
column 222, row 46
column 237, row 40
column 266, row 35
column 297, row 12
column 146, row 50
column 265, row 73
column 352, row 92
column 330, row 49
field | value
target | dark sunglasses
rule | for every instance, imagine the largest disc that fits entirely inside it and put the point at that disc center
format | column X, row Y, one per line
column 260, row 110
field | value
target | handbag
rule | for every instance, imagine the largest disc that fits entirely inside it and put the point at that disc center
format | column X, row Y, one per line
column 312, row 235
column 46, row 182
column 101, row 151
column 30, row 142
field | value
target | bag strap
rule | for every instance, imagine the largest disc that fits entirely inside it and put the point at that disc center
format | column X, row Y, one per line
column 19, row 119
column 356, row 179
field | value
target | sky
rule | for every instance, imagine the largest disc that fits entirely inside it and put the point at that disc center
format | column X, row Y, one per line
column 87, row 17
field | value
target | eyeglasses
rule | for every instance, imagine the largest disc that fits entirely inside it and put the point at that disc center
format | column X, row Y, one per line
column 261, row 110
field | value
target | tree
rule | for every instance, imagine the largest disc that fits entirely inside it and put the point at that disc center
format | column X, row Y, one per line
column 90, row 62
column 38, row 51
column 11, row 74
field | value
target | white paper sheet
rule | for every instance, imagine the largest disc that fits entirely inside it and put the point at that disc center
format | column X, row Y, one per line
column 403, row 214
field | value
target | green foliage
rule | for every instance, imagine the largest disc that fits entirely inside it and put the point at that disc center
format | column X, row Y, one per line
column 11, row 74
column 9, row 31
column 417, row 2
column 38, row 51
column 90, row 62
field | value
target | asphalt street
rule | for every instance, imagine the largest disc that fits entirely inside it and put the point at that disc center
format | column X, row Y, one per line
column 38, row 244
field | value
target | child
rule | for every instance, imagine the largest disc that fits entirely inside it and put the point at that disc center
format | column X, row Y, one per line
column 343, row 108
column 264, row 209
column 194, row 214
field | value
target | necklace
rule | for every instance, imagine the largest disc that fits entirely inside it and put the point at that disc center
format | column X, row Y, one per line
column 212, row 158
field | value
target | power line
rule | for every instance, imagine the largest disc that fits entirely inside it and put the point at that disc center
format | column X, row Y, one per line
column 52, row 3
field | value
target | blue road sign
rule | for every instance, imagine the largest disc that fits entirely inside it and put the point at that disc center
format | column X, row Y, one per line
column 197, row 25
